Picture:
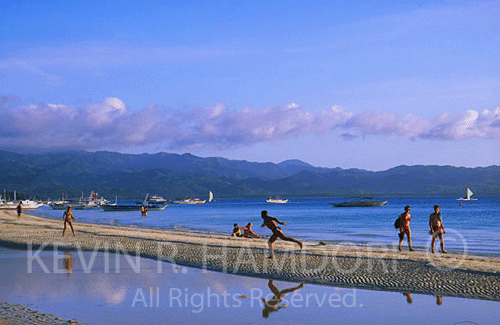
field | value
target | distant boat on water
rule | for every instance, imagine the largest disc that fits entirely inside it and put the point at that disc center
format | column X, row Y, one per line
column 157, row 204
column 277, row 199
column 157, row 199
column 190, row 200
column 195, row 200
column 468, row 196
column 25, row 204
column 30, row 204
column 352, row 204
column 12, row 205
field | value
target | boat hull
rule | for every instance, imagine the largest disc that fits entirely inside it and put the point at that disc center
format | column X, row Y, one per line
column 276, row 201
column 354, row 204
column 190, row 201
column 132, row 207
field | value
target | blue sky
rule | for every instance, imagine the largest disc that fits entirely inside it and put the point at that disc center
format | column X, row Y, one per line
column 344, row 84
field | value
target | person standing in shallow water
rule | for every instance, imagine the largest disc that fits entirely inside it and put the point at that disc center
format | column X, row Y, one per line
column 270, row 222
column 437, row 229
column 404, row 228
column 68, row 219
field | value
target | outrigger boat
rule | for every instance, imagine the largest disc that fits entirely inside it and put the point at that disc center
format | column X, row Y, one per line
column 190, row 201
column 350, row 204
column 135, row 206
column 468, row 196
column 277, row 199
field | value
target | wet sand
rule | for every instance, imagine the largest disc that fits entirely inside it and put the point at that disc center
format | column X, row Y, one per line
column 19, row 314
column 454, row 275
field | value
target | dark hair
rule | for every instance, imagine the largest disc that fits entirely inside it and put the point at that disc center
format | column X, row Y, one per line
column 235, row 224
column 436, row 206
column 407, row 208
column 249, row 224
column 263, row 213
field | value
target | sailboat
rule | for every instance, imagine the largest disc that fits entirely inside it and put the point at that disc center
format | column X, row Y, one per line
column 210, row 196
column 468, row 196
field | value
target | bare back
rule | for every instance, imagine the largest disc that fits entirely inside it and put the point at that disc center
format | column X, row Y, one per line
column 270, row 222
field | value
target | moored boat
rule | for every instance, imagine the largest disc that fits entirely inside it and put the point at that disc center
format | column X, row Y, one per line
column 277, row 199
column 349, row 204
column 189, row 201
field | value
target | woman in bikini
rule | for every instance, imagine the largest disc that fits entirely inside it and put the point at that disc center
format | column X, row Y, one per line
column 68, row 219
column 405, row 228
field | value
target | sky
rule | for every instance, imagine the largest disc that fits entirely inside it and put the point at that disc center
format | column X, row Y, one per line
column 351, row 84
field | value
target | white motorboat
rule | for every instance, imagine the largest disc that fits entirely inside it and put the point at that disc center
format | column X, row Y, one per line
column 157, row 199
column 190, row 201
column 30, row 205
column 277, row 199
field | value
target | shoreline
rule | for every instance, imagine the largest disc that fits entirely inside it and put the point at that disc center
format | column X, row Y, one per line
column 454, row 275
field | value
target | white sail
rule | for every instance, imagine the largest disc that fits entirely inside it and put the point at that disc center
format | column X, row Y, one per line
column 210, row 196
column 468, row 194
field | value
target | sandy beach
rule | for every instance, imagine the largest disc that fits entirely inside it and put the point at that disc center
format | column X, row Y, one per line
column 453, row 275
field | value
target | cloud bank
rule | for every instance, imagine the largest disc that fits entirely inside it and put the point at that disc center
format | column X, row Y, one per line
column 112, row 125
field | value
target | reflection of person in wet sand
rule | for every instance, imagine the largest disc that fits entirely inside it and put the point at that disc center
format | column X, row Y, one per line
column 271, row 305
column 409, row 299
column 248, row 232
column 68, row 262
column 68, row 219
column 439, row 300
column 270, row 222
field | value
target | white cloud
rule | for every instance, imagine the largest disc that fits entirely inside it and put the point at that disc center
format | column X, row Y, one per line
column 110, row 125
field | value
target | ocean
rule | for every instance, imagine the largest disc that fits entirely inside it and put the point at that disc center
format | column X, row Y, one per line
column 472, row 227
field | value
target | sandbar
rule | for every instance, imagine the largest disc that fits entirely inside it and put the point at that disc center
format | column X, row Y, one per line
column 455, row 275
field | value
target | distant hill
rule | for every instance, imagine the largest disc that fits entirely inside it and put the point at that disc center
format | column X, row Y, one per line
column 176, row 176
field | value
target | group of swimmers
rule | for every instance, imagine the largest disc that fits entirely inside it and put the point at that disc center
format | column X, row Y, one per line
column 435, row 225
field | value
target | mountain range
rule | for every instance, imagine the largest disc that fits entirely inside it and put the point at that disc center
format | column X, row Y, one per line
column 111, row 174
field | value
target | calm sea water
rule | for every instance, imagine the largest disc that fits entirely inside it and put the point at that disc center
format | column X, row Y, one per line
column 473, row 227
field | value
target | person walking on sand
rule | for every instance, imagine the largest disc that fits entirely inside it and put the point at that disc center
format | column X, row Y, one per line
column 270, row 222
column 437, row 229
column 248, row 232
column 68, row 219
column 404, row 228
column 19, row 210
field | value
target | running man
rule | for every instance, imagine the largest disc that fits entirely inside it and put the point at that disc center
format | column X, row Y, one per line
column 270, row 222
column 68, row 219
column 437, row 229
column 405, row 219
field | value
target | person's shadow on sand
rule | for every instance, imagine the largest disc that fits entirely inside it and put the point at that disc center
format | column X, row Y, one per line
column 271, row 305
